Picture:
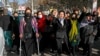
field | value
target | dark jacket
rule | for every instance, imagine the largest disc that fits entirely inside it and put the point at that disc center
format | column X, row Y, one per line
column 98, row 22
column 16, row 26
column 89, row 32
column 81, row 17
column 49, row 24
column 60, row 31
column 6, row 23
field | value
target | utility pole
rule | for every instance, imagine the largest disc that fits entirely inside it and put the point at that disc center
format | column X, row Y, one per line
column 4, row 2
column 32, row 7
column 15, row 4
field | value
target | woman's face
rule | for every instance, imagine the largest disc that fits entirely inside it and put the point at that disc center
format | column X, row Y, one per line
column 28, row 11
column 61, row 15
column 73, row 16
column 55, row 13
column 40, row 15
column 89, row 17
column 98, row 10
column 35, row 14
column 67, row 15
column 95, row 13
column 16, row 14
column 77, row 12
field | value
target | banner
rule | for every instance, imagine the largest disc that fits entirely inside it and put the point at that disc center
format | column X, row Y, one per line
column 94, row 8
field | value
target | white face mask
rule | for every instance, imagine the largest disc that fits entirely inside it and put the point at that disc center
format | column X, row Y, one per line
column 40, row 16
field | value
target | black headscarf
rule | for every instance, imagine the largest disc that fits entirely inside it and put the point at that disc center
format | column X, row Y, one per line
column 28, row 26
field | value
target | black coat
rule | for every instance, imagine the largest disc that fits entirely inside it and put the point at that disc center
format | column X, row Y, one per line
column 6, row 23
column 81, row 17
column 98, row 22
column 60, row 31
column 49, row 25
column 16, row 26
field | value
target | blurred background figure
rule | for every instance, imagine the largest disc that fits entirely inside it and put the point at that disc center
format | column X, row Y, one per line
column 67, row 15
column 6, row 22
column 55, row 13
column 35, row 14
column 1, row 11
column 16, row 39
column 98, row 24
column 50, row 31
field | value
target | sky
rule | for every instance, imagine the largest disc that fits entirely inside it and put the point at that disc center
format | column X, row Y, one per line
column 19, row 1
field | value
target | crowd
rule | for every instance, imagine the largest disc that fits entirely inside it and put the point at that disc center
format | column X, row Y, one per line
column 59, row 32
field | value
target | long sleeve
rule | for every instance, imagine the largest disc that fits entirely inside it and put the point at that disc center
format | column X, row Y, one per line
column 41, row 24
column 35, row 25
column 21, row 26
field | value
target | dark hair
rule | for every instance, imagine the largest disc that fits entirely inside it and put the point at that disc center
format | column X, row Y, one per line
column 15, row 12
column 94, row 13
column 74, row 14
column 53, row 10
column 39, row 12
column 67, row 12
column 88, row 14
column 35, row 12
column 61, row 11
column 75, row 9
column 28, row 9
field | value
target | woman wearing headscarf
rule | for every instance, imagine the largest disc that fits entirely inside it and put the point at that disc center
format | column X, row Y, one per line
column 28, row 31
column 73, row 33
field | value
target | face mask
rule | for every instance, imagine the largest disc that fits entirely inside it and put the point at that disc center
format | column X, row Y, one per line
column 40, row 16
column 28, row 14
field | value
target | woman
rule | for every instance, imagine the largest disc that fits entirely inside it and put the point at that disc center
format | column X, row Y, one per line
column 41, row 19
column 6, row 22
column 54, row 13
column 61, row 28
column 50, row 30
column 98, row 24
column 16, row 38
column 67, row 15
column 28, row 31
column 89, row 32
column 74, row 33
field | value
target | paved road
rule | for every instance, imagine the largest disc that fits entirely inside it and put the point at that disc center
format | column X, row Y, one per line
column 95, row 49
